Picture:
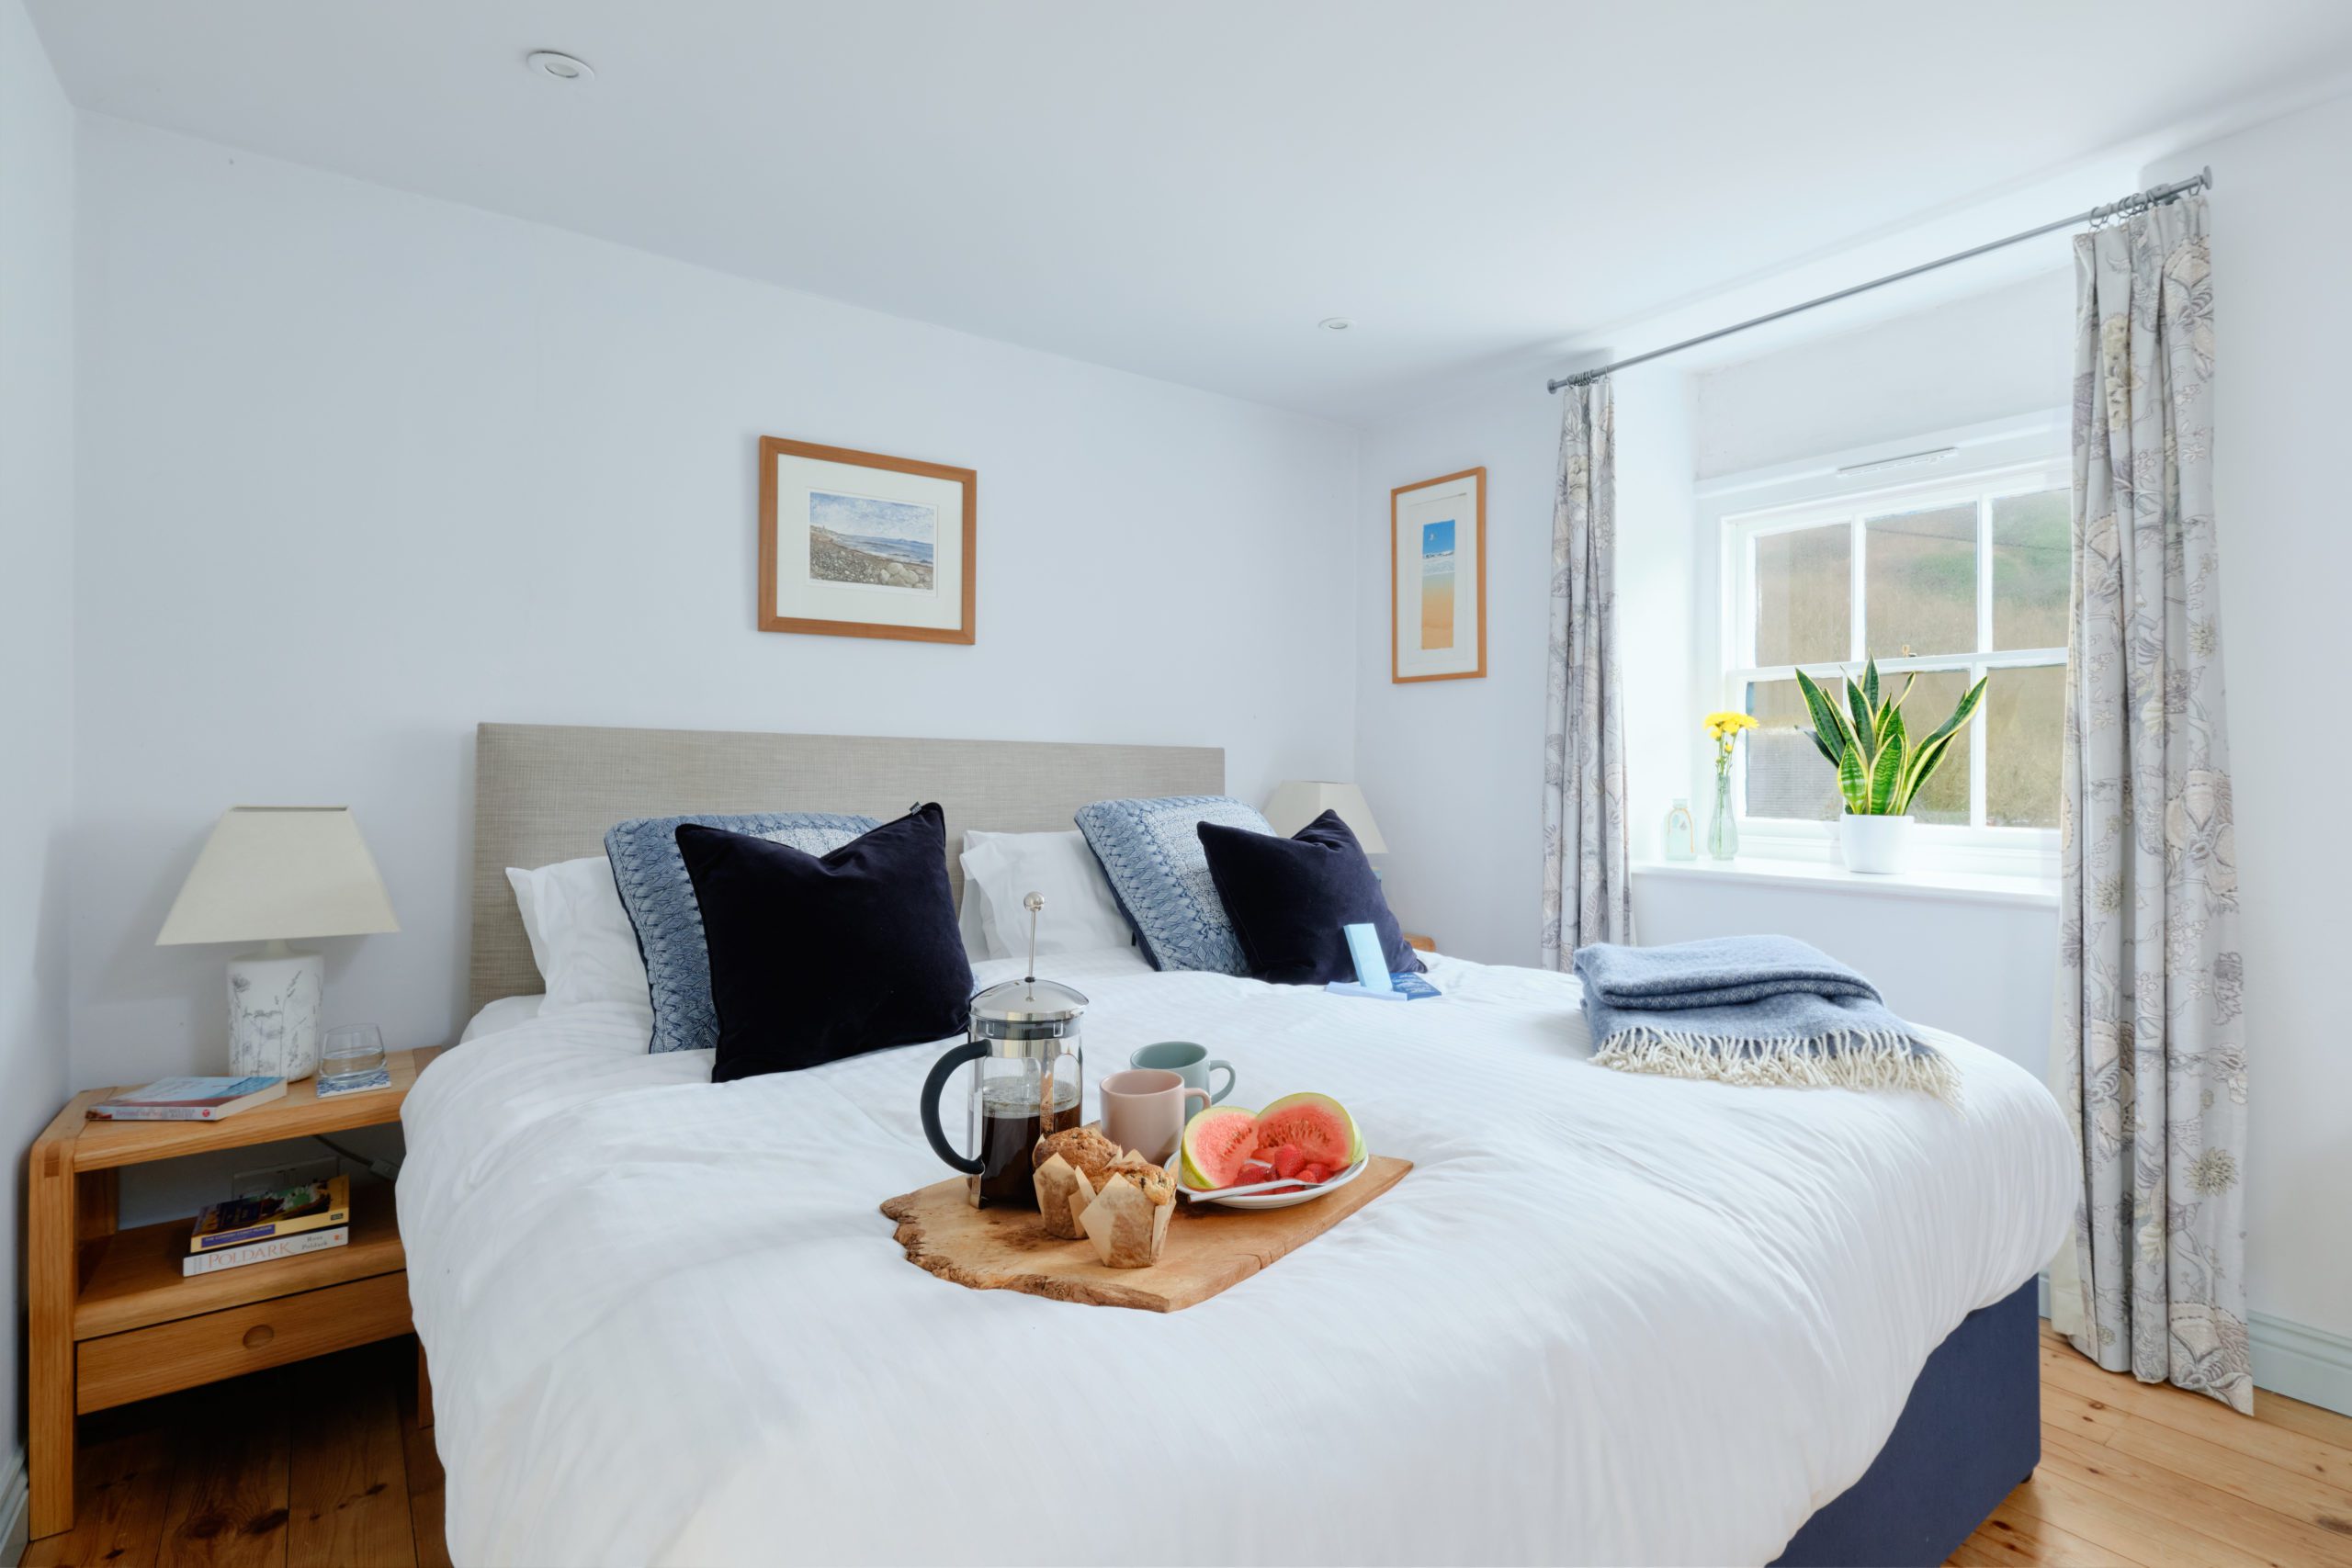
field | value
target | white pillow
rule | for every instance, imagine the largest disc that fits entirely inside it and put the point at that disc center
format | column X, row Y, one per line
column 580, row 937
column 1081, row 915
column 968, row 923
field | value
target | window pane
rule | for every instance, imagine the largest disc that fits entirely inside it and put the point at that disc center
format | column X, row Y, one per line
column 1919, row 583
column 1932, row 698
column 1804, row 609
column 2024, row 719
column 2032, row 541
column 1786, row 776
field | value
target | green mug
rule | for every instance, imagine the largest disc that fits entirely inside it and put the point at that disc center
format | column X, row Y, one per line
column 1187, row 1061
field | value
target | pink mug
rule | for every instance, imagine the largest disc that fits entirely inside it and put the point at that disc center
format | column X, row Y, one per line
column 1145, row 1109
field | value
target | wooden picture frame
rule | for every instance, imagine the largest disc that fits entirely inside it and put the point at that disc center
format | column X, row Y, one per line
column 1447, row 517
column 915, row 580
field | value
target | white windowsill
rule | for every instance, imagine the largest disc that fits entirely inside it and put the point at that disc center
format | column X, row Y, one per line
column 2023, row 892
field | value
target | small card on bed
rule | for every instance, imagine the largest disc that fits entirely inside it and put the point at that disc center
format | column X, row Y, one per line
column 1400, row 988
column 1374, row 979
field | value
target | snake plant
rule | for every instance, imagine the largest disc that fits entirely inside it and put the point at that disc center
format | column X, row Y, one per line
column 1880, row 767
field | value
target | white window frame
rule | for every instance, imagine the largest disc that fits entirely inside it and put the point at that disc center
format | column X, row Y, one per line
column 1982, row 464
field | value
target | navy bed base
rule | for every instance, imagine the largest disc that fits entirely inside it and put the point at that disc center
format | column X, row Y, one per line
column 1969, row 1434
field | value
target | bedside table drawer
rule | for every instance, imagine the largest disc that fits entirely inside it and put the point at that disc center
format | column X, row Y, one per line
column 119, row 1368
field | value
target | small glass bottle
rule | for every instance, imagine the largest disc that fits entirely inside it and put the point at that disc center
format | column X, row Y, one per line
column 1681, row 833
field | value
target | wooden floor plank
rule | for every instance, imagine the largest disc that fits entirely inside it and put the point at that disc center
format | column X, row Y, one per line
column 120, row 1483
column 425, row 1476
column 2019, row 1537
column 347, row 1488
column 2200, row 1417
column 2119, row 1524
column 227, row 1507
column 2327, row 1425
column 2190, row 1503
column 2234, row 1471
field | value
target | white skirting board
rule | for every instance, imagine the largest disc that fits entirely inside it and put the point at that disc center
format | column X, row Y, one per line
column 2309, row 1364
column 16, row 1498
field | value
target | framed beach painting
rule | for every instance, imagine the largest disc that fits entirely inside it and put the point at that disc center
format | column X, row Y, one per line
column 856, row 544
column 1436, row 579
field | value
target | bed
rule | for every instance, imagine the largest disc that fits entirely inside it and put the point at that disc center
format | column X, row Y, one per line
column 1607, row 1318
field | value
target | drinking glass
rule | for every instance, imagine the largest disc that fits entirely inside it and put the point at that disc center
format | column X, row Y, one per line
column 350, row 1051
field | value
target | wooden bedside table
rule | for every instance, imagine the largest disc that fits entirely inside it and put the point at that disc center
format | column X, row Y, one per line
column 1422, row 943
column 112, row 1318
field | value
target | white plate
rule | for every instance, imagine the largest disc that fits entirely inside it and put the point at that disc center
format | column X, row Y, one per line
column 1284, row 1200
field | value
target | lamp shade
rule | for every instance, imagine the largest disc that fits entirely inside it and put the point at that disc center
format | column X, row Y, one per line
column 1298, row 802
column 272, row 872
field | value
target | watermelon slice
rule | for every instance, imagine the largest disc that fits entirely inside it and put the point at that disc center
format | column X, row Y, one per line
column 1216, row 1143
column 1317, row 1125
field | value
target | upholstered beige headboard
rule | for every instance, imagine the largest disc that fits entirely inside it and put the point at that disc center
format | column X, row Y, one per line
column 545, row 792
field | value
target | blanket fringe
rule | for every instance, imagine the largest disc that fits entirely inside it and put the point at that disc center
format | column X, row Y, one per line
column 1864, row 1059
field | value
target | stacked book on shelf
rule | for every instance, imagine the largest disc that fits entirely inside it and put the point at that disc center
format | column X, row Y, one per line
column 309, row 1218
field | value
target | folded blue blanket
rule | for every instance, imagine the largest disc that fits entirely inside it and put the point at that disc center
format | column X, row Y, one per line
column 1751, row 1009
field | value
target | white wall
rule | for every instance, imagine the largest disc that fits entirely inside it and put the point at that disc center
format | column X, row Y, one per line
column 2284, row 320
column 1981, row 968
column 1965, row 361
column 1453, row 769
column 360, row 469
column 36, row 635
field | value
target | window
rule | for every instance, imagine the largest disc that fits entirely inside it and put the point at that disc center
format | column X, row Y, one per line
column 1944, row 581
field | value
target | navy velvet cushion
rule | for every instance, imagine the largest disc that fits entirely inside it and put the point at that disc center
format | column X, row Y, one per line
column 818, row 957
column 1289, row 898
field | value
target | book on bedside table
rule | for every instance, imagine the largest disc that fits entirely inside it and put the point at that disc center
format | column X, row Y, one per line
column 266, row 1216
column 264, row 1251
column 188, row 1100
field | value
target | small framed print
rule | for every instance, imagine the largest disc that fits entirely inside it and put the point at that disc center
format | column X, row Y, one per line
column 1436, row 579
column 856, row 544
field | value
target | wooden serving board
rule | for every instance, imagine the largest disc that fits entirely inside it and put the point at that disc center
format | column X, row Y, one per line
column 1209, row 1249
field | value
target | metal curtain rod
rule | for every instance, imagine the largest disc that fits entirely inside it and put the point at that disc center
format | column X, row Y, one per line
column 2155, row 196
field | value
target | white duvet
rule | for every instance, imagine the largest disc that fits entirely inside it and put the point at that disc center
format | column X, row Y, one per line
column 1607, row 1318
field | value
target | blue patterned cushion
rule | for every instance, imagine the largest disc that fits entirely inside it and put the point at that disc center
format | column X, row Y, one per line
column 1151, row 851
column 659, row 899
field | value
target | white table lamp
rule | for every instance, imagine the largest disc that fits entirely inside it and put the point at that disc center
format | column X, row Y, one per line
column 1296, row 803
column 267, row 873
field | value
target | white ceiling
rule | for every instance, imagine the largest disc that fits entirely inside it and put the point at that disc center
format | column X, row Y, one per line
column 1184, row 189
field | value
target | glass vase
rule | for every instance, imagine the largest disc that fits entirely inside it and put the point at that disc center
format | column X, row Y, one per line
column 1723, row 832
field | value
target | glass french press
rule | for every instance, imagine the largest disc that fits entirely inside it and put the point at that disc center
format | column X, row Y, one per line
column 1028, row 1079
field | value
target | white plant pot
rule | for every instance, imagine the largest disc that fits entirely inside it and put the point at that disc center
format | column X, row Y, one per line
column 1876, row 846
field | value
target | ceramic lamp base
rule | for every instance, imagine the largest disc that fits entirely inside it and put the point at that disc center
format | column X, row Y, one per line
column 273, row 1012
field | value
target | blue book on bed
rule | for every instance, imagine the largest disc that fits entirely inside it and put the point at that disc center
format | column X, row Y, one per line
column 1373, row 980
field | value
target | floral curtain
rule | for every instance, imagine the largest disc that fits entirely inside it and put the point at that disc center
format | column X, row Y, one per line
column 1587, row 896
column 2150, row 1051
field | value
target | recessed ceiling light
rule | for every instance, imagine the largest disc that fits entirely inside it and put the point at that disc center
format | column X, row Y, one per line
column 1335, row 324
column 562, row 67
